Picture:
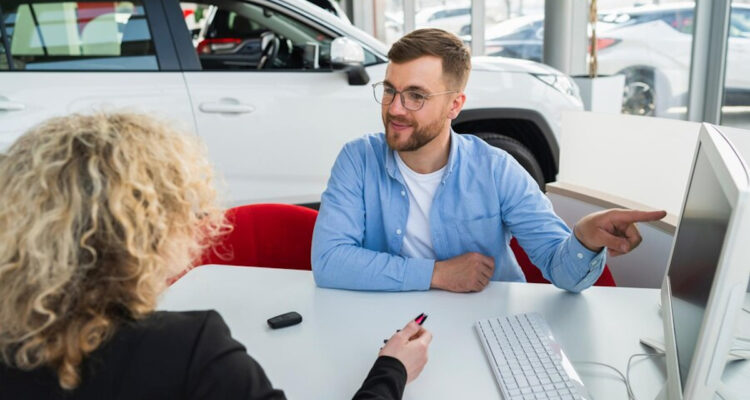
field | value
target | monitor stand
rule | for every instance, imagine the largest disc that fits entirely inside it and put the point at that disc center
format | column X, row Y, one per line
column 739, row 352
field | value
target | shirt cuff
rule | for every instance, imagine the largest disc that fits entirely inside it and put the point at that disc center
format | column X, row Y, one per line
column 418, row 274
column 585, row 263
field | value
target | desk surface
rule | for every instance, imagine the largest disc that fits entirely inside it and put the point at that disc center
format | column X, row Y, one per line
column 330, row 352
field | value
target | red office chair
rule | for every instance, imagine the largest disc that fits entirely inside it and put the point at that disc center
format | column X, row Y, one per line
column 534, row 275
column 266, row 235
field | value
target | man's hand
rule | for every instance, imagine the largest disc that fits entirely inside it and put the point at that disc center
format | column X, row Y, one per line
column 469, row 272
column 614, row 229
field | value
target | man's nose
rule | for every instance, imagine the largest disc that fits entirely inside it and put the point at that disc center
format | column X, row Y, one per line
column 397, row 106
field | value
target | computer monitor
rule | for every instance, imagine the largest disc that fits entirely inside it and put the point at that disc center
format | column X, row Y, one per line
column 707, row 276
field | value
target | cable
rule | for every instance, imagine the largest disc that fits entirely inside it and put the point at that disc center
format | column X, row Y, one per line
column 627, row 371
column 622, row 377
column 745, row 309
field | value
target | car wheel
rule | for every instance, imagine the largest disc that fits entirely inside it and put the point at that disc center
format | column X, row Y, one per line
column 522, row 154
column 639, row 96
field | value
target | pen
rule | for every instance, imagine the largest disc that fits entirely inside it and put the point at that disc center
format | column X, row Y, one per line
column 421, row 318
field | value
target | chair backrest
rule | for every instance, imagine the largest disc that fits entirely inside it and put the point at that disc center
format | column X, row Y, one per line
column 266, row 235
column 534, row 275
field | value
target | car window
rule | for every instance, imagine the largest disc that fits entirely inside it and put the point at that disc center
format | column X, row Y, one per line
column 457, row 12
column 243, row 36
column 681, row 20
column 77, row 36
column 437, row 15
column 739, row 23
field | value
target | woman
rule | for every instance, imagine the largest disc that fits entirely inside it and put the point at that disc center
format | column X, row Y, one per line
column 96, row 214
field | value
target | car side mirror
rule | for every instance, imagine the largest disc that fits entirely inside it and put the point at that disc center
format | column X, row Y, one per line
column 348, row 55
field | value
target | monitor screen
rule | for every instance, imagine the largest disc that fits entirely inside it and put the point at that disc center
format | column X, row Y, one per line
column 695, row 257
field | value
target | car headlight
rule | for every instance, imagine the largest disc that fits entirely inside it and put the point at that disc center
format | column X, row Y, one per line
column 562, row 83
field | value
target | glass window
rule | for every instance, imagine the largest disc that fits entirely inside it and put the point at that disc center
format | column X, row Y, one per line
column 517, row 32
column 78, row 36
column 243, row 36
column 652, row 46
column 3, row 56
column 391, row 26
column 735, row 110
column 452, row 16
column 739, row 23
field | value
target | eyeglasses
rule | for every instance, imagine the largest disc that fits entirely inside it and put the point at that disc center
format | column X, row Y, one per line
column 412, row 100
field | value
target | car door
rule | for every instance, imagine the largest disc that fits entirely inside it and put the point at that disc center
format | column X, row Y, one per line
column 273, row 127
column 58, row 57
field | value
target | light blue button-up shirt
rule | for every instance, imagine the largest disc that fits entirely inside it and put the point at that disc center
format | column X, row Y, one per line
column 484, row 199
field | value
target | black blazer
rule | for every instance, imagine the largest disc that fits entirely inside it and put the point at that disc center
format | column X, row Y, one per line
column 177, row 355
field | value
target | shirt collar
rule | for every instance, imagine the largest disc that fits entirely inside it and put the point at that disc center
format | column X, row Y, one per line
column 392, row 168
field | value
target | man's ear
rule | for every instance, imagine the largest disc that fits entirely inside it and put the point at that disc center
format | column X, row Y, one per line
column 456, row 105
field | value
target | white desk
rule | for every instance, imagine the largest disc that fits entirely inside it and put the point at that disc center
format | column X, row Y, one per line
column 328, row 355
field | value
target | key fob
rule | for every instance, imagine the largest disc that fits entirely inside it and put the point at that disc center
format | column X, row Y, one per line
column 283, row 320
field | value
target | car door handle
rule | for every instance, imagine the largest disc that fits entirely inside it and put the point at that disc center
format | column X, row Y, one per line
column 226, row 108
column 11, row 106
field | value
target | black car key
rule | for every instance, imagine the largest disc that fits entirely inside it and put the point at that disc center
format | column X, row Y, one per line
column 284, row 320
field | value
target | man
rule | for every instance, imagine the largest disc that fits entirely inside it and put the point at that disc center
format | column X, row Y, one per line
column 422, row 207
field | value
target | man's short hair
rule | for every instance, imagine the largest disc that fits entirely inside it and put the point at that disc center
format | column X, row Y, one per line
column 437, row 43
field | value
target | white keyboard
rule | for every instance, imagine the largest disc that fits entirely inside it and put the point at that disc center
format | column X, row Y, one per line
column 527, row 361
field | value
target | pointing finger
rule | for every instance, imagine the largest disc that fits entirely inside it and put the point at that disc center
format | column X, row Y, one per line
column 630, row 216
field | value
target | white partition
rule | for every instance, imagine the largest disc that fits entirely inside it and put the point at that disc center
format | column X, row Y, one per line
column 645, row 266
column 609, row 160
column 646, row 160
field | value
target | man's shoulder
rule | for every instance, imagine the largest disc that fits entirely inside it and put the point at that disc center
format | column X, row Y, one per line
column 373, row 143
column 476, row 151
column 371, row 140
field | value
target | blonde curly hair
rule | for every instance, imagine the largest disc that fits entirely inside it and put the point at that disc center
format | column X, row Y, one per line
column 97, row 212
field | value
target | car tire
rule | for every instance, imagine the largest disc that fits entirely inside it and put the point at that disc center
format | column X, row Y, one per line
column 521, row 153
column 639, row 96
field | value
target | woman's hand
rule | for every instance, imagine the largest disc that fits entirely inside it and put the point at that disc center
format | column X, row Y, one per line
column 409, row 346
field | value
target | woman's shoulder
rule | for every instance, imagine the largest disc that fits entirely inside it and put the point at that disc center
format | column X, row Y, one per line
column 175, row 332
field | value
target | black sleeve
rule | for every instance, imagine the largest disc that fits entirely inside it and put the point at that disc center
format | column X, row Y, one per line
column 386, row 380
column 220, row 367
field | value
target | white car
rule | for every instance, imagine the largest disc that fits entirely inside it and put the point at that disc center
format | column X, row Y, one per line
column 275, row 88
column 652, row 46
column 451, row 19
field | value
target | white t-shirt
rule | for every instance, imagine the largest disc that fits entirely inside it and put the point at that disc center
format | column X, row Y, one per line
column 421, row 189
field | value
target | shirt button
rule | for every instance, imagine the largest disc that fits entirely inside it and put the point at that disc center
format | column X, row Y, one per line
column 580, row 256
column 593, row 263
column 403, row 193
column 398, row 231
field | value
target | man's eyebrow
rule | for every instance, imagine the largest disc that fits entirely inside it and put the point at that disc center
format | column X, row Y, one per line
column 417, row 88
column 412, row 87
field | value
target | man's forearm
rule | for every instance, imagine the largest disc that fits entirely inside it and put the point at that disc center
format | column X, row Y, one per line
column 357, row 268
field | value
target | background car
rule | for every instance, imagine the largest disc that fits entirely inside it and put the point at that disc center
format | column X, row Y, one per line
column 650, row 45
column 451, row 19
column 520, row 37
column 275, row 88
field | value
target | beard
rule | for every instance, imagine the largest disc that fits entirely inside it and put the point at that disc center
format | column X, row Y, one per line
column 420, row 135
